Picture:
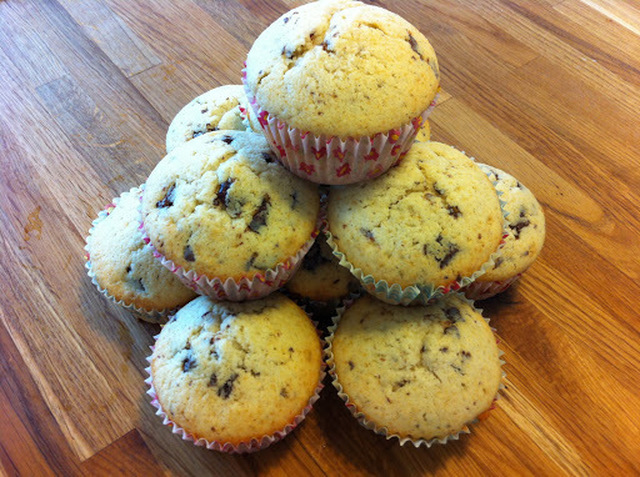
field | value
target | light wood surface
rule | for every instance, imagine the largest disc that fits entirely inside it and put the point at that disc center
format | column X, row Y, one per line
column 548, row 91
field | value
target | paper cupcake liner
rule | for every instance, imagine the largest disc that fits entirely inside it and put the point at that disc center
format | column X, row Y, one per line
column 330, row 160
column 382, row 430
column 417, row 294
column 480, row 290
column 246, row 288
column 150, row 316
column 254, row 445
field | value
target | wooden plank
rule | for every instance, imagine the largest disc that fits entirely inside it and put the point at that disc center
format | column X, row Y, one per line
column 112, row 36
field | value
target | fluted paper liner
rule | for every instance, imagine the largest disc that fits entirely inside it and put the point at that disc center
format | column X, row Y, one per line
column 418, row 294
column 382, row 430
column 255, row 444
column 331, row 160
column 151, row 316
column 480, row 290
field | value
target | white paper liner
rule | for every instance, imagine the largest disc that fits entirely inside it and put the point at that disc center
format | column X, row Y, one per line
column 150, row 316
column 247, row 288
column 382, row 430
column 251, row 446
column 418, row 294
column 330, row 160
column 480, row 290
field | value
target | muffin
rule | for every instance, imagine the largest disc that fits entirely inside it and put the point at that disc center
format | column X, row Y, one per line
column 236, row 377
column 218, row 109
column 429, row 225
column 526, row 233
column 123, row 268
column 421, row 374
column 321, row 284
column 341, row 88
column 227, row 218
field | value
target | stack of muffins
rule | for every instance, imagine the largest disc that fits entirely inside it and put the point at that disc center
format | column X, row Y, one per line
column 313, row 187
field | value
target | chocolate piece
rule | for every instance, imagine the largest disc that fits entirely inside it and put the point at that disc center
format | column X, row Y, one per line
column 453, row 250
column 367, row 233
column 414, row 45
column 226, row 139
column 189, row 363
column 188, row 254
column 517, row 228
column 167, row 201
column 222, row 194
column 453, row 314
column 259, row 219
column 454, row 211
column 225, row 391
column 268, row 157
column 213, row 380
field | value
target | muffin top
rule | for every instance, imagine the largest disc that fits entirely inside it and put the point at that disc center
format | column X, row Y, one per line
column 422, row 372
column 230, row 372
column 221, row 206
column 526, row 227
column 217, row 109
column 320, row 276
column 342, row 68
column 124, row 265
column 432, row 220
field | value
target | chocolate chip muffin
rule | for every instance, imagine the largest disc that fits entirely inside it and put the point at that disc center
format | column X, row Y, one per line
column 429, row 225
column 123, row 267
column 416, row 373
column 217, row 109
column 237, row 376
column 328, row 79
column 226, row 217
column 526, row 233
column 321, row 284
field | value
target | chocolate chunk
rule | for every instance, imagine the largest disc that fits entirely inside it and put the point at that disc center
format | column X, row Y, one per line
column 285, row 19
column 213, row 380
column 450, row 329
column 189, row 363
column 254, row 373
column 284, row 393
column 196, row 134
column 367, row 233
column 268, row 157
column 453, row 314
column 188, row 344
column 167, row 201
column 458, row 370
column 402, row 383
column 211, row 127
column 351, row 365
column 129, row 268
column 454, row 211
column 444, row 349
column 438, row 191
column 517, row 228
column 259, row 219
column 251, row 261
column 453, row 250
column 188, row 254
column 465, row 354
column 414, row 45
column 226, row 139
column 439, row 239
column 498, row 262
column 222, row 196
column 204, row 110
column 225, row 391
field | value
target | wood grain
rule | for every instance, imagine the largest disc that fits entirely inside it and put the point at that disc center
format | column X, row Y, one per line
column 548, row 91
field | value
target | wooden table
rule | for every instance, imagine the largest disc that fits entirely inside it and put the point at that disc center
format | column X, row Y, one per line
column 549, row 92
